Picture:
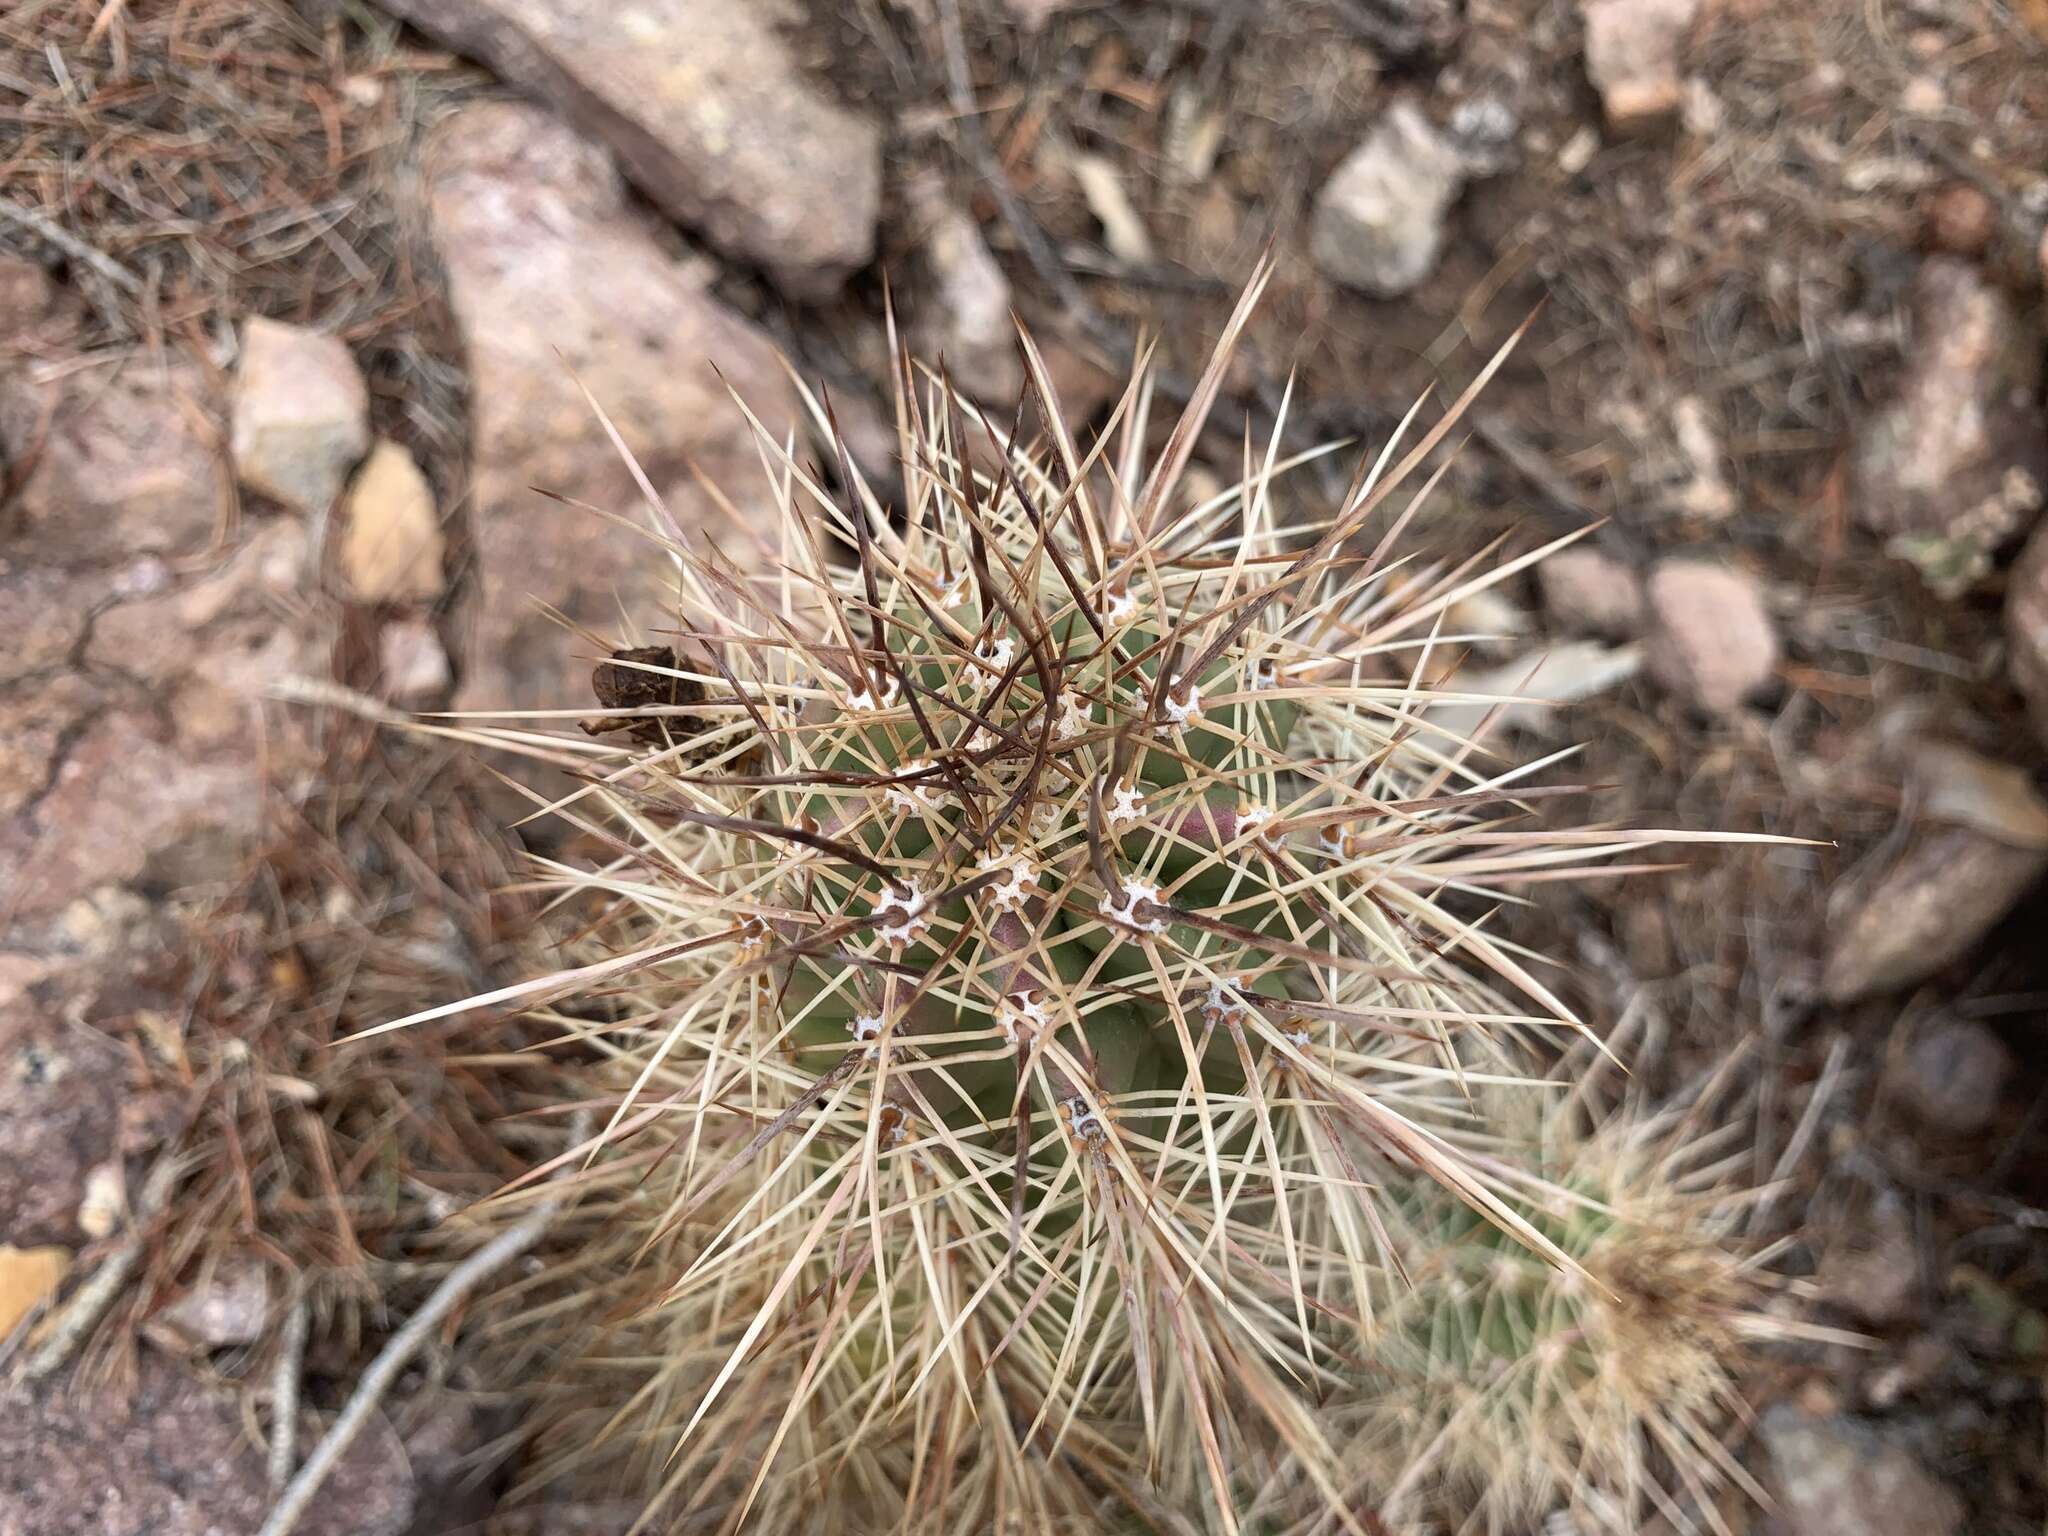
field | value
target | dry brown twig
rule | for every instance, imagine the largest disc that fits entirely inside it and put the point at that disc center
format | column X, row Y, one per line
column 284, row 1393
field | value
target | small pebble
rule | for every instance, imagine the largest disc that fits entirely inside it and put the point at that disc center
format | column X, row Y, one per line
column 1961, row 219
column 1953, row 1075
column 1711, row 640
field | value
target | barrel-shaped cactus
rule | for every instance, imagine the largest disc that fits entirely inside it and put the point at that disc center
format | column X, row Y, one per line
column 1045, row 943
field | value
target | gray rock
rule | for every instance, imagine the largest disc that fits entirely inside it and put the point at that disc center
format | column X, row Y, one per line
column 1953, row 1075
column 1487, row 84
column 706, row 110
column 1960, row 452
column 1379, row 220
column 301, row 414
column 1483, row 130
column 558, row 286
column 228, row 1306
column 1840, row 1477
column 1711, row 639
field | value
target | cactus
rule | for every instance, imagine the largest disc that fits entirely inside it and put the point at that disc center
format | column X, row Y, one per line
column 1506, row 1389
column 1041, row 927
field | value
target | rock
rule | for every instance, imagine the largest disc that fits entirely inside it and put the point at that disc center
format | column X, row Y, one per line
column 391, row 542
column 706, row 110
column 44, row 613
column 1963, row 554
column 62, row 1095
column 1635, row 58
column 1874, row 1273
column 301, row 414
column 121, row 461
column 1379, row 220
column 970, row 297
column 1706, row 494
column 171, row 1459
column 59, row 1102
column 227, row 1307
column 1577, row 152
column 450, row 1443
column 548, row 272
column 1944, row 893
column 29, row 1277
column 2026, row 626
column 209, row 679
column 412, row 664
column 221, row 621
column 1923, row 95
column 93, row 935
column 1953, row 1075
column 1963, row 788
column 1488, row 85
column 1588, row 591
column 1840, row 1477
column 141, row 764
column 103, row 1207
column 869, row 433
column 1962, row 220
column 1711, row 640
column 35, row 313
column 1979, row 844
column 38, row 720
column 559, row 1515
column 1961, row 451
column 1032, row 15
column 1483, row 130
